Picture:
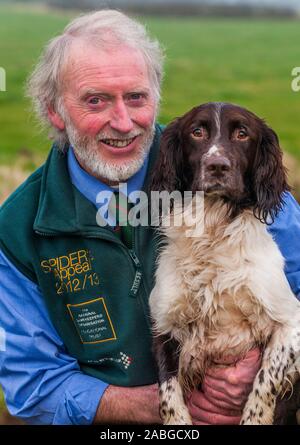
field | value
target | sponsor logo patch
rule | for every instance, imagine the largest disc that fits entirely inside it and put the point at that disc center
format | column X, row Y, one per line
column 92, row 321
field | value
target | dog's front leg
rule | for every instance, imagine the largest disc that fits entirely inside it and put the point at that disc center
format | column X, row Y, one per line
column 173, row 410
column 280, row 363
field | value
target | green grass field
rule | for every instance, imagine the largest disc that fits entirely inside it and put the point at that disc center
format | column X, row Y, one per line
column 1, row 400
column 242, row 61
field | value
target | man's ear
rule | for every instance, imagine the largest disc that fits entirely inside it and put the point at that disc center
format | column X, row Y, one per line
column 55, row 119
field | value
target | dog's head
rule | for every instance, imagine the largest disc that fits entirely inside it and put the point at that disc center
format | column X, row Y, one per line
column 227, row 152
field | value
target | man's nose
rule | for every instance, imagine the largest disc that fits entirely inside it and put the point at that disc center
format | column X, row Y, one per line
column 217, row 165
column 120, row 119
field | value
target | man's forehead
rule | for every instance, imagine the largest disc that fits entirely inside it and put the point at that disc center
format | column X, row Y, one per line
column 90, row 66
column 84, row 54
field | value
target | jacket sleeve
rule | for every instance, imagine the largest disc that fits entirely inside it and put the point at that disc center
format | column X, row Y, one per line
column 42, row 384
column 286, row 232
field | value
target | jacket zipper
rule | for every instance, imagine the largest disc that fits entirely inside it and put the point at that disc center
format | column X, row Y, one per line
column 135, row 259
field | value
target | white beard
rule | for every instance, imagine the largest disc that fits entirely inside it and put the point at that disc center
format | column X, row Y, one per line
column 90, row 157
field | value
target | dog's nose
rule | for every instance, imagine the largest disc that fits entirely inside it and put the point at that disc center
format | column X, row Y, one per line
column 217, row 165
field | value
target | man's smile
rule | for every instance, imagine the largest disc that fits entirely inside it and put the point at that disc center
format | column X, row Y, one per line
column 118, row 143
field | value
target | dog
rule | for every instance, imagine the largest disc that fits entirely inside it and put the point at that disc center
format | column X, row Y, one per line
column 223, row 292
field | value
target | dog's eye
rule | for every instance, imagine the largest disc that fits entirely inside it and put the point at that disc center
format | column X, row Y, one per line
column 240, row 134
column 199, row 133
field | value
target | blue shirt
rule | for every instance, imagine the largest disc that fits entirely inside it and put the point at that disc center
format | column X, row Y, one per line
column 42, row 383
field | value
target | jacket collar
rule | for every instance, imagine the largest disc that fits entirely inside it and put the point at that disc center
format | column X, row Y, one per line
column 62, row 208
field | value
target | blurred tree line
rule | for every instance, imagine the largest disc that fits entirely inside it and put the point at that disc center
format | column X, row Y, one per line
column 177, row 7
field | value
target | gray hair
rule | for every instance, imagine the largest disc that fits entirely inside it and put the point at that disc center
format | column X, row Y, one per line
column 104, row 27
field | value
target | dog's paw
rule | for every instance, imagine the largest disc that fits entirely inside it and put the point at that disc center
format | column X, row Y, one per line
column 178, row 417
column 258, row 414
column 173, row 410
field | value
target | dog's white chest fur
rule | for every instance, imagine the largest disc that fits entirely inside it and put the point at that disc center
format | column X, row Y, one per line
column 223, row 292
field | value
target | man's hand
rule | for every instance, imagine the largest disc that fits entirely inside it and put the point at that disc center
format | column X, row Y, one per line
column 224, row 391
column 129, row 405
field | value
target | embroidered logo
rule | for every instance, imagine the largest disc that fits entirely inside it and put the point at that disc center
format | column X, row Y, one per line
column 72, row 272
column 126, row 360
column 123, row 359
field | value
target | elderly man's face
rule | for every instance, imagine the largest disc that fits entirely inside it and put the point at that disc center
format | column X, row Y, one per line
column 109, row 110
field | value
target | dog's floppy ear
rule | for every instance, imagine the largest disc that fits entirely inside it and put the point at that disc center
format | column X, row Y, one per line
column 168, row 169
column 269, row 177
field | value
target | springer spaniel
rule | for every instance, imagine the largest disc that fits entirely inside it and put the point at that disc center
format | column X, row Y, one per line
column 222, row 292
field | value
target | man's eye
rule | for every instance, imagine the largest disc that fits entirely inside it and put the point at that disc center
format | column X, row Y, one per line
column 136, row 96
column 94, row 100
column 199, row 133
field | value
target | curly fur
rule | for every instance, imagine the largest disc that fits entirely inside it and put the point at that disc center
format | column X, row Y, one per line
column 224, row 291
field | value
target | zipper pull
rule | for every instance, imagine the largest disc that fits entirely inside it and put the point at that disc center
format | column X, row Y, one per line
column 134, row 258
column 138, row 274
column 136, row 284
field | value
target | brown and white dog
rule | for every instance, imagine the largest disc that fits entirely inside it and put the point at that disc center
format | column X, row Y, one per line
column 223, row 292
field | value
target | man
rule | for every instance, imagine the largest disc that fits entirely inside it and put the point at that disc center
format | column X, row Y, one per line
column 75, row 323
